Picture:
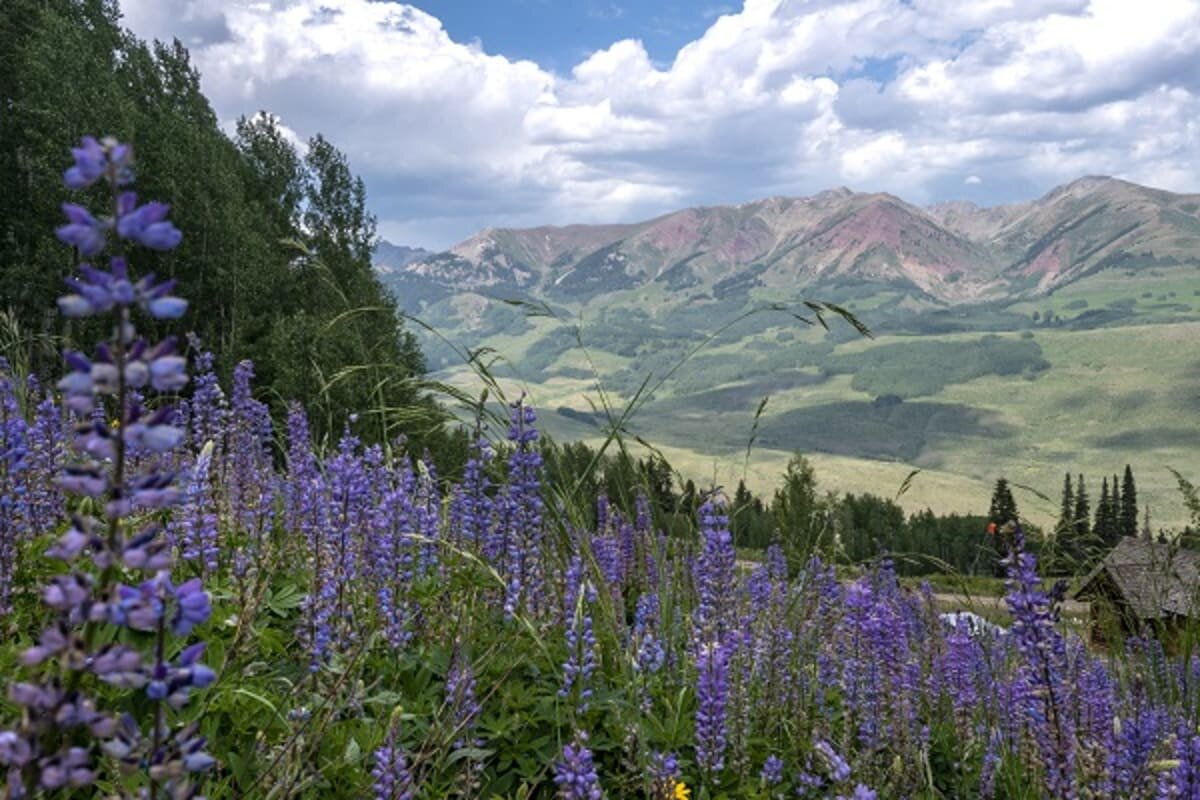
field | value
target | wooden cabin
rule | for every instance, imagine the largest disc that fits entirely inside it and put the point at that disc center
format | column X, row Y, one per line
column 1143, row 586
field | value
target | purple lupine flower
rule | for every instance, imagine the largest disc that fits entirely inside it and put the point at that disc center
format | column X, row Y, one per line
column 712, row 700
column 642, row 518
column 90, row 163
column 471, row 507
column 1182, row 779
column 521, row 511
column 606, row 551
column 835, row 766
column 303, row 477
column 393, row 550
column 990, row 766
column 575, row 773
column 46, row 453
column 83, row 232
column 195, row 529
column 664, row 773
column 861, row 792
column 54, row 744
column 13, row 489
column 349, row 498
column 772, row 771
column 393, row 779
column 1139, row 734
column 147, row 225
column 427, row 505
column 460, row 696
column 1042, row 648
column 208, row 405
column 713, row 574
column 627, row 547
column 248, row 472
column 173, row 683
column 580, row 636
column 649, row 654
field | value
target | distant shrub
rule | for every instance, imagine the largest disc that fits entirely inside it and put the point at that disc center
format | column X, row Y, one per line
column 921, row 368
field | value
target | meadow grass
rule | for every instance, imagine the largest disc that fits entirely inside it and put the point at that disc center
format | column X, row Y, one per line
column 1111, row 396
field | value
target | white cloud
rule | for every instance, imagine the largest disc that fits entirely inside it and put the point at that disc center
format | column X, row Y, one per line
column 778, row 97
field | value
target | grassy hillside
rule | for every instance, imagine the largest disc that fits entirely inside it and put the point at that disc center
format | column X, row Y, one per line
column 1093, row 376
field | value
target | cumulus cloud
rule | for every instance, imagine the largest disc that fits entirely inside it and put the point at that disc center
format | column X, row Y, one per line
column 775, row 97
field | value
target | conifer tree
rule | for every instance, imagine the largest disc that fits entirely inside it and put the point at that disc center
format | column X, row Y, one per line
column 1129, row 505
column 1066, row 516
column 1083, row 511
column 1004, row 507
column 1102, row 527
column 797, row 512
column 1003, row 510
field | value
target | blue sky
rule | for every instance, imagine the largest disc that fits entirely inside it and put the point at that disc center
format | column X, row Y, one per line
column 558, row 34
column 464, row 115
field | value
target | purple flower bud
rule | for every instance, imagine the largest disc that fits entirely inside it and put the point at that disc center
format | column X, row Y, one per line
column 66, row 592
column 15, row 750
column 575, row 774
column 123, row 746
column 169, row 307
column 161, row 236
column 105, row 377
column 74, row 306
column 90, row 163
column 69, row 769
column 192, row 605
column 121, row 666
column 147, row 551
column 147, row 225
column 31, row 696
column 198, row 762
column 82, row 230
column 86, row 481
column 76, row 383
column 140, row 608
column 169, row 373
column 772, row 771
column 137, row 374
column 69, row 545
column 52, row 641
column 839, row 770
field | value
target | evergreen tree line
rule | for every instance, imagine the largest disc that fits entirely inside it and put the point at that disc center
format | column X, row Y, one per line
column 856, row 528
column 850, row 528
column 1083, row 533
column 1082, row 530
column 277, row 247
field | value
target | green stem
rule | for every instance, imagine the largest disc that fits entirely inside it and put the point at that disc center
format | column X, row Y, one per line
column 159, row 721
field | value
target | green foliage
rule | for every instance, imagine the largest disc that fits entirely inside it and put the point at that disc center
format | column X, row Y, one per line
column 799, row 513
column 310, row 314
column 868, row 527
column 880, row 429
column 919, row 369
column 1125, row 515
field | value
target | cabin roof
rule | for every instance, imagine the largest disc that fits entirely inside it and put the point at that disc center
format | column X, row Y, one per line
column 1155, row 580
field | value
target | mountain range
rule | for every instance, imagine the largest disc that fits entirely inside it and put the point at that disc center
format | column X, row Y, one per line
column 951, row 252
column 1022, row 340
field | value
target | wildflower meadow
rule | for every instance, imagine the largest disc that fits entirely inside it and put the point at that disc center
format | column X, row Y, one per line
column 198, row 600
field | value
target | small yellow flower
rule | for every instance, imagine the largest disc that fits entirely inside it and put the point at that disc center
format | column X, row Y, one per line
column 682, row 792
